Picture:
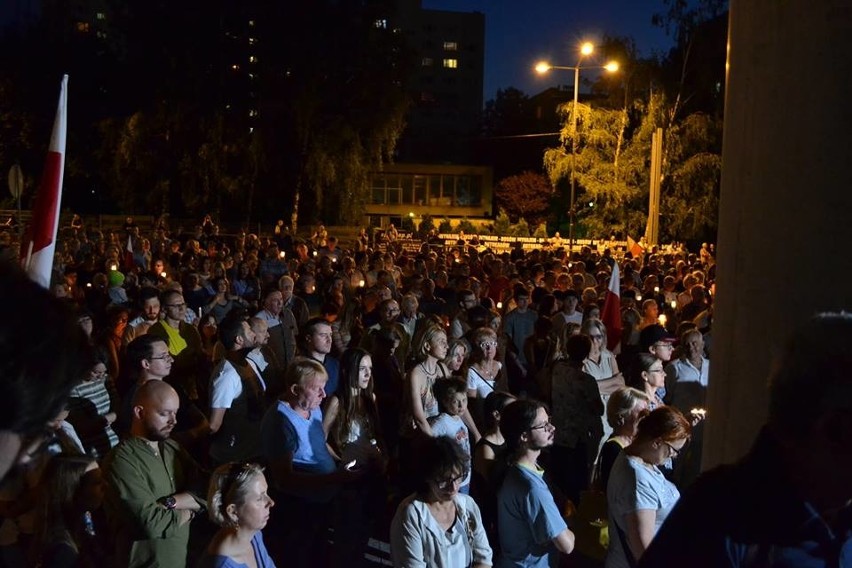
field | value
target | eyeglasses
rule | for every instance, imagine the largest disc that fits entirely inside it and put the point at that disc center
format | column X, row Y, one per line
column 596, row 337
column 543, row 426
column 666, row 345
column 486, row 344
column 165, row 357
column 674, row 451
column 450, row 481
column 176, row 305
column 660, row 370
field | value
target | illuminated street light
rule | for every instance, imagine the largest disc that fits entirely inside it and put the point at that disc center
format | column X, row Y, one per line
column 542, row 67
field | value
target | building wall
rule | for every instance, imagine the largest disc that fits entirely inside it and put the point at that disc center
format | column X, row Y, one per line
column 447, row 82
column 402, row 189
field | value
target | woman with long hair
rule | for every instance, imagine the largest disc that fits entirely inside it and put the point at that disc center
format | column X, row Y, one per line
column 68, row 514
column 351, row 420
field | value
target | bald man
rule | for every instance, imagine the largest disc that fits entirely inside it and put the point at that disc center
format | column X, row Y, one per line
column 148, row 499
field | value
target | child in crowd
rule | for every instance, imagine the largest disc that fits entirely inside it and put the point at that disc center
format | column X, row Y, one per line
column 451, row 394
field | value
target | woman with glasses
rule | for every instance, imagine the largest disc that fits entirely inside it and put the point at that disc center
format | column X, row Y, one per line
column 93, row 408
column 601, row 364
column 239, row 503
column 485, row 374
column 437, row 526
column 639, row 496
column 649, row 376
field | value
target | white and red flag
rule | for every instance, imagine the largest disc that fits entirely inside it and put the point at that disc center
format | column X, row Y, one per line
column 39, row 242
column 611, row 312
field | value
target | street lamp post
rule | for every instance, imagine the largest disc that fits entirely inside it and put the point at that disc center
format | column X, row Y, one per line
column 543, row 67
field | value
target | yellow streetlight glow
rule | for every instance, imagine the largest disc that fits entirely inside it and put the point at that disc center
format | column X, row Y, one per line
column 612, row 66
column 587, row 48
column 542, row 67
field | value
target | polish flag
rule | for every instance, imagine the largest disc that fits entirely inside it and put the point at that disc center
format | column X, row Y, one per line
column 611, row 313
column 634, row 247
column 39, row 242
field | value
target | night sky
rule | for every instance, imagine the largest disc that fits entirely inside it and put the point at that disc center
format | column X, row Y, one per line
column 519, row 33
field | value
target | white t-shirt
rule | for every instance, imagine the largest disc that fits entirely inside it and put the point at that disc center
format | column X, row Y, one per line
column 226, row 384
column 480, row 384
column 454, row 427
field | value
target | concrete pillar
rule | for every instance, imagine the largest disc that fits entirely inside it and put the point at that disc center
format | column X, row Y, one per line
column 785, row 218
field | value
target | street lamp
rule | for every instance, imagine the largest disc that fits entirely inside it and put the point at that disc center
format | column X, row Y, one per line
column 542, row 67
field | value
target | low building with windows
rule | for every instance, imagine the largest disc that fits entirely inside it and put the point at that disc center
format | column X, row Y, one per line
column 439, row 190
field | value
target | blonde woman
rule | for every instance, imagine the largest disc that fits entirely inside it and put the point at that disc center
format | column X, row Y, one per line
column 240, row 505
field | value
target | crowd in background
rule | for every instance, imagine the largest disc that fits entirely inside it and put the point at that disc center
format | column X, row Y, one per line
column 358, row 377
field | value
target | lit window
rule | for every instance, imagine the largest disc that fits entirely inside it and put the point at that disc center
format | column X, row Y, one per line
column 253, row 113
column 83, row 27
column 427, row 62
column 381, row 24
column 100, row 16
column 451, row 63
column 252, row 41
column 235, row 67
column 451, row 46
column 252, row 59
column 251, row 23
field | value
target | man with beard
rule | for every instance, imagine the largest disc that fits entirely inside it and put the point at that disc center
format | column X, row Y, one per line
column 528, row 520
column 138, row 326
column 148, row 480
column 236, row 397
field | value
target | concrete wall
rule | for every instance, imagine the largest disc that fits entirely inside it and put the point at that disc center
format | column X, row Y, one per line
column 786, row 175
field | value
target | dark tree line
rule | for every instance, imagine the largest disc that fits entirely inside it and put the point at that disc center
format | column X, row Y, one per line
column 246, row 109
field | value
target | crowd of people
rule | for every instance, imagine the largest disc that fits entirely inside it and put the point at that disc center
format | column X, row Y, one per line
column 471, row 396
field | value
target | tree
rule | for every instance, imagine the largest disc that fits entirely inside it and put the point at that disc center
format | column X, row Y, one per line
column 502, row 224
column 526, row 195
column 690, row 188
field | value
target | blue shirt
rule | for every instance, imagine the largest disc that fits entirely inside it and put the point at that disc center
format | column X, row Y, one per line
column 527, row 519
column 261, row 557
column 284, row 432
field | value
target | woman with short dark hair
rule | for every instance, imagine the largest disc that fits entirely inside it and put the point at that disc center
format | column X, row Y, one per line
column 437, row 526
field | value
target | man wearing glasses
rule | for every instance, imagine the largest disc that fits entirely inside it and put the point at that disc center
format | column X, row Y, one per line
column 183, row 340
column 528, row 520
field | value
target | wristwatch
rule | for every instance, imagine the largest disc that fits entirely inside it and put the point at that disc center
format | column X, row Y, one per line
column 168, row 502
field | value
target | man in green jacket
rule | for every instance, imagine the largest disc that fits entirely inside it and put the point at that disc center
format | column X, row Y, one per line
column 148, row 475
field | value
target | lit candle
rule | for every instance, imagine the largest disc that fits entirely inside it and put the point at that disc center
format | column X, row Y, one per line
column 163, row 274
column 656, row 289
column 113, row 267
column 361, row 283
column 638, row 297
column 662, row 319
column 281, row 254
column 315, row 253
column 674, row 304
column 499, row 305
